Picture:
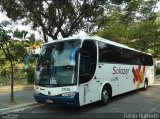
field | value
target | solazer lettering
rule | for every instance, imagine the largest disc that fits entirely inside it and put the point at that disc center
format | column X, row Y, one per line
column 120, row 70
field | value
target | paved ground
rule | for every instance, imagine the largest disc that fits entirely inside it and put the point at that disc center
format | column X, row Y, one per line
column 133, row 102
column 136, row 101
column 23, row 94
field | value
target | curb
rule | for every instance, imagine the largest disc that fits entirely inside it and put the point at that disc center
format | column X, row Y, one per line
column 19, row 107
column 155, row 84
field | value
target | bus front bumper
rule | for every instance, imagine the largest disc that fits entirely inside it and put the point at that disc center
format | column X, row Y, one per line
column 60, row 100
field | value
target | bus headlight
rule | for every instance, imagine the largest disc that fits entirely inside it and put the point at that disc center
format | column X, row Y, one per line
column 69, row 94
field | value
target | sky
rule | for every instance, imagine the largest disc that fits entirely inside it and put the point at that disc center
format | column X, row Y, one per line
column 158, row 7
column 20, row 27
column 37, row 33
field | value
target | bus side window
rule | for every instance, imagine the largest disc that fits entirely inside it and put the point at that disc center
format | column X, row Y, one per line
column 109, row 53
column 148, row 60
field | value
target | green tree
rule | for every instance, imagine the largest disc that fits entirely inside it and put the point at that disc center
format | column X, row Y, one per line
column 147, row 37
column 32, row 43
column 63, row 17
column 135, row 24
column 5, row 48
column 20, row 34
column 138, row 10
column 12, row 53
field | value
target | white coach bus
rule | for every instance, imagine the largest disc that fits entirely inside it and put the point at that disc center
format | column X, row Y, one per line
column 81, row 70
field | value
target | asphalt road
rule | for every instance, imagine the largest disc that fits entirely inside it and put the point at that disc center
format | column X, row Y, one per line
column 133, row 102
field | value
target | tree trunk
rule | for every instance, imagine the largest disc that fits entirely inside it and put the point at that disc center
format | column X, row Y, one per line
column 45, row 37
column 12, row 73
column 12, row 83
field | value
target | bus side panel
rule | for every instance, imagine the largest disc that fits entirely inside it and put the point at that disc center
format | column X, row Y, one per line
column 89, row 92
column 104, row 74
column 124, row 78
column 150, row 74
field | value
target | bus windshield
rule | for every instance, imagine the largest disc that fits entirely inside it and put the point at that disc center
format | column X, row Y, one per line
column 56, row 63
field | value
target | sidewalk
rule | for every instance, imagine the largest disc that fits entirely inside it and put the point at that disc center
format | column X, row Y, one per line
column 22, row 94
column 156, row 82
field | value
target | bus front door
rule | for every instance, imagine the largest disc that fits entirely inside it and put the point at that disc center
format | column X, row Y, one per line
column 88, row 83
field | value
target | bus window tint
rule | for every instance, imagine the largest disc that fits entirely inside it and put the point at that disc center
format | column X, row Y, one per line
column 130, row 57
column 109, row 53
column 102, row 52
column 148, row 60
column 90, row 48
column 114, row 54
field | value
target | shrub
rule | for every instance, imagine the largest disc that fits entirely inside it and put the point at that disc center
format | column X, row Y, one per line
column 30, row 74
column 158, row 71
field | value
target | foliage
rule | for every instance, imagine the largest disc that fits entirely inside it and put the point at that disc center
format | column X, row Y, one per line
column 3, row 80
column 5, row 45
column 32, row 44
column 134, row 24
column 144, row 35
column 30, row 74
column 147, row 36
column 55, row 17
column 137, row 10
column 19, row 50
column 158, row 71
column 17, row 53
column 20, row 34
column 115, row 31
column 12, row 54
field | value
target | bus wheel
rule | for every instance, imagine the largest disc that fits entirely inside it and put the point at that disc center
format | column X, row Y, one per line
column 145, row 85
column 105, row 96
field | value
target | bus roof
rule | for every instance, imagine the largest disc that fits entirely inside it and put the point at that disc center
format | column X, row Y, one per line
column 98, row 39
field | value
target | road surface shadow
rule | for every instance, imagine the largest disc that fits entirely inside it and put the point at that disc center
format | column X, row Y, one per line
column 92, row 106
column 96, row 108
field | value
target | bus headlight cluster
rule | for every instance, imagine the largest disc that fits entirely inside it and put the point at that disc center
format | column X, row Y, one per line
column 69, row 94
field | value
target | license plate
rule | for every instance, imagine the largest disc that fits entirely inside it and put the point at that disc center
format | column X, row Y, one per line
column 49, row 101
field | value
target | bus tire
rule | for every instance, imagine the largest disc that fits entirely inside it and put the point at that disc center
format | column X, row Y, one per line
column 145, row 85
column 105, row 96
